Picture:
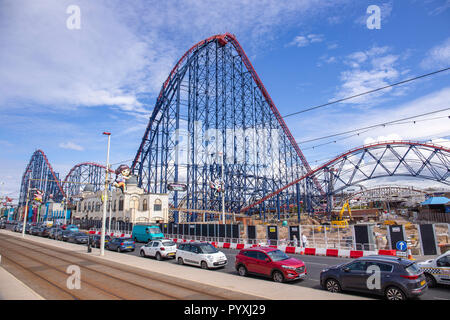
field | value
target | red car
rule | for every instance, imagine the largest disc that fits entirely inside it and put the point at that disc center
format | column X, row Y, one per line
column 269, row 262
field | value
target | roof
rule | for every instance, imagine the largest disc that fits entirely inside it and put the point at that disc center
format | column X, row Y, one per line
column 258, row 248
column 387, row 259
column 436, row 200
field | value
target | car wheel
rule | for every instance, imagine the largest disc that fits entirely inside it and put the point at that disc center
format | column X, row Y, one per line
column 242, row 271
column 277, row 276
column 142, row 253
column 204, row 265
column 431, row 282
column 118, row 249
column 394, row 293
column 180, row 260
column 333, row 286
column 158, row 256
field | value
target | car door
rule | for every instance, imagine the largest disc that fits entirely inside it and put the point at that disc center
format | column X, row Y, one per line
column 354, row 276
column 263, row 266
column 195, row 255
column 252, row 261
column 187, row 254
column 443, row 264
column 146, row 247
column 154, row 248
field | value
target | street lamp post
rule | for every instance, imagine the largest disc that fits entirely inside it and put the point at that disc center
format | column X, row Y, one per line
column 26, row 209
column 105, row 198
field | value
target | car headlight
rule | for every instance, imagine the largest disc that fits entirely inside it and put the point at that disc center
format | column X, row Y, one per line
column 288, row 267
column 325, row 270
column 210, row 258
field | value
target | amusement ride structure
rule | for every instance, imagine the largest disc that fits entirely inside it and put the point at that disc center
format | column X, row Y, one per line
column 213, row 118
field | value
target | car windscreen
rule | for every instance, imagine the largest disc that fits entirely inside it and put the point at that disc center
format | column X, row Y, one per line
column 78, row 234
column 155, row 230
column 277, row 255
column 168, row 243
column 207, row 248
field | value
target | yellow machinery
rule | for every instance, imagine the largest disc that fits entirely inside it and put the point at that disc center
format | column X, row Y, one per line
column 339, row 222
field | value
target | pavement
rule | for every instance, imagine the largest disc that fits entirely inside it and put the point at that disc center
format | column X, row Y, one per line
column 247, row 285
column 12, row 288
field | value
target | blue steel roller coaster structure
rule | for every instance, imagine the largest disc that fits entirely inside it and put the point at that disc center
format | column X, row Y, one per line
column 212, row 114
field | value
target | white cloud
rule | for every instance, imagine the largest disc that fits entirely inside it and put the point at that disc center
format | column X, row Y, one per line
column 71, row 146
column 303, row 41
column 370, row 69
column 438, row 56
column 122, row 49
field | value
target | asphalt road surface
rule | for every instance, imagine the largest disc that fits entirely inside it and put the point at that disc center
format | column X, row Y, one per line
column 314, row 265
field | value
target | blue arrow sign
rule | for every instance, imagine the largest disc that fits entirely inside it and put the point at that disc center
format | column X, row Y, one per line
column 401, row 246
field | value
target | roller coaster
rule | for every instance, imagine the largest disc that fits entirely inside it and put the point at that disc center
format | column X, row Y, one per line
column 213, row 117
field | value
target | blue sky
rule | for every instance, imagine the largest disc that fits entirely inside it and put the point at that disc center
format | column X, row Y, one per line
column 60, row 88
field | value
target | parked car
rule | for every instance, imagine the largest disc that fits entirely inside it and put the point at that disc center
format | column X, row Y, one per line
column 200, row 254
column 400, row 279
column 34, row 230
column 63, row 235
column 18, row 227
column 269, row 262
column 159, row 249
column 96, row 239
column 437, row 271
column 78, row 237
column 52, row 232
column 42, row 232
column 120, row 244
column 146, row 233
column 2, row 225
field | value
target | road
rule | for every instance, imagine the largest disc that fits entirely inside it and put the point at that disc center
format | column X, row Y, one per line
column 44, row 270
column 314, row 265
column 37, row 256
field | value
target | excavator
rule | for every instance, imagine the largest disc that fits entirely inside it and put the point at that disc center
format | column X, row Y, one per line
column 339, row 222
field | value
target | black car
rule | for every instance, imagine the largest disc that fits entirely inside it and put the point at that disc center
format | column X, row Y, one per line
column 34, row 230
column 52, row 232
column 44, row 232
column 392, row 277
column 64, row 235
column 78, row 237
column 96, row 239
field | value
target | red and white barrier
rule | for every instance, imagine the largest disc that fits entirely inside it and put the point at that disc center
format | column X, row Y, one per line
column 328, row 252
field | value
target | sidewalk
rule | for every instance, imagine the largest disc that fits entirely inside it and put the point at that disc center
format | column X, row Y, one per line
column 12, row 288
column 251, row 286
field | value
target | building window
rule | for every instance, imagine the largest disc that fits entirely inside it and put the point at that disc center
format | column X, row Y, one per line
column 89, row 206
column 121, row 204
column 85, row 207
column 157, row 206
column 114, row 206
column 144, row 205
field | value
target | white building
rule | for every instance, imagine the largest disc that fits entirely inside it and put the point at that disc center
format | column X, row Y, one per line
column 132, row 206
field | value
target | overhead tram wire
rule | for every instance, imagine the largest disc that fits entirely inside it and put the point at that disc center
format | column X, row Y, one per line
column 384, row 124
column 367, row 92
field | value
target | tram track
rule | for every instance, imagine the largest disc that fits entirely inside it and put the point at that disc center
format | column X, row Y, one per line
column 99, row 279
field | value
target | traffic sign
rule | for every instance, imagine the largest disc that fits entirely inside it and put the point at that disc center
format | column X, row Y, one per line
column 401, row 246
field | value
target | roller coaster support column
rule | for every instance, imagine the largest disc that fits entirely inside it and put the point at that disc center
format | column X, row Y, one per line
column 105, row 199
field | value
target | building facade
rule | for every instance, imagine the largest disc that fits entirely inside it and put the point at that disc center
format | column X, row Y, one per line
column 130, row 207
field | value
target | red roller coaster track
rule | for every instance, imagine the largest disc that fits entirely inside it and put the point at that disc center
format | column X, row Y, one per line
column 223, row 39
column 373, row 145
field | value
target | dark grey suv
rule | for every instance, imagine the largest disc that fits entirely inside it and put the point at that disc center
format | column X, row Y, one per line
column 392, row 277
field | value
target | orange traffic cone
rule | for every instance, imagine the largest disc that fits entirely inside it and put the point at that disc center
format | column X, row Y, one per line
column 410, row 257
